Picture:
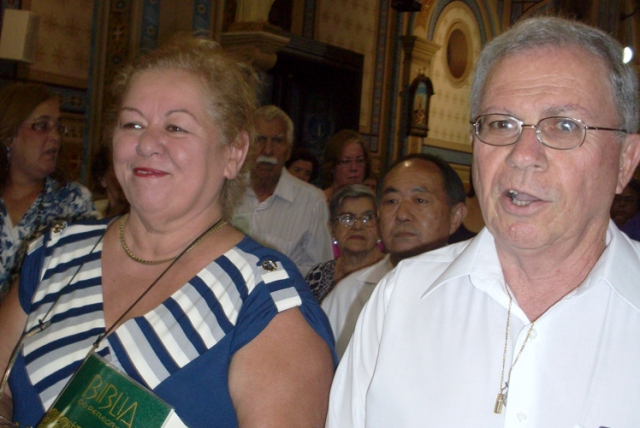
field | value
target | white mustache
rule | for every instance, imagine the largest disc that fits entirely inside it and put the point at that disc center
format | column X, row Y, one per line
column 267, row 159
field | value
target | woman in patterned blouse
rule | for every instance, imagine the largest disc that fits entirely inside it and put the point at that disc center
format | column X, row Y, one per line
column 31, row 198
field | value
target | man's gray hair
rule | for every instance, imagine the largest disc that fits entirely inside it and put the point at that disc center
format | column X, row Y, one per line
column 270, row 113
column 551, row 32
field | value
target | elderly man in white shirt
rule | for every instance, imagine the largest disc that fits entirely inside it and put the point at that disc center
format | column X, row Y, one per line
column 421, row 203
column 279, row 210
column 536, row 321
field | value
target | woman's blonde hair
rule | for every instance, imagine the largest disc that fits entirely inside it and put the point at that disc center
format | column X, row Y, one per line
column 231, row 93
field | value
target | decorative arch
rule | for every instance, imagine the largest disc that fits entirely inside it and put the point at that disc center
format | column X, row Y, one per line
column 539, row 8
column 488, row 22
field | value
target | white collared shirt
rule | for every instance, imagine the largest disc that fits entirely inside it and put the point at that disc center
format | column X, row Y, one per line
column 428, row 347
column 294, row 220
column 344, row 303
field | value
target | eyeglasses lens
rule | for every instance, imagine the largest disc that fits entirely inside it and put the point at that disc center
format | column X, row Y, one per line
column 561, row 133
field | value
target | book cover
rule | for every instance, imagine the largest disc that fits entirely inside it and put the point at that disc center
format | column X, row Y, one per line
column 99, row 395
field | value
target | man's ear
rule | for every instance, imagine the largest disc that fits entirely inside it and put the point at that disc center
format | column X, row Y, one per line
column 237, row 150
column 458, row 213
column 629, row 158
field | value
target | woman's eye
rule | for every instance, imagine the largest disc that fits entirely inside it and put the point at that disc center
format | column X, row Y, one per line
column 40, row 126
column 175, row 128
column 131, row 125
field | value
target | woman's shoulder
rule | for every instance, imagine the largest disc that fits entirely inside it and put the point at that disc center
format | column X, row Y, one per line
column 68, row 188
column 321, row 269
column 62, row 232
column 70, row 199
column 262, row 260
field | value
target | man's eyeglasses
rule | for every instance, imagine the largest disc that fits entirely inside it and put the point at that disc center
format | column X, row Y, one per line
column 348, row 162
column 46, row 126
column 349, row 220
column 556, row 132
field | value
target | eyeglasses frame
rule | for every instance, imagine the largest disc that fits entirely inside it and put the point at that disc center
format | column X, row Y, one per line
column 62, row 129
column 368, row 223
column 522, row 125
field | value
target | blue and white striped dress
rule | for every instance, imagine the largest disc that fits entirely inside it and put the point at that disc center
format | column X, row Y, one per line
column 181, row 350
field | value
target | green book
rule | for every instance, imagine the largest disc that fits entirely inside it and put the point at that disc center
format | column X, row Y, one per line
column 99, row 395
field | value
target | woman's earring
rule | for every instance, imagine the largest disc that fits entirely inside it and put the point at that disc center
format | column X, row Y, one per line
column 335, row 241
column 379, row 240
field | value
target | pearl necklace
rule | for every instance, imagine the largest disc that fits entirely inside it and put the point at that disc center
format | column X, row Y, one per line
column 217, row 226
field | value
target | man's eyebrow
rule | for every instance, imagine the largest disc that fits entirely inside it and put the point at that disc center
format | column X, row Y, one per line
column 44, row 117
column 388, row 190
column 419, row 189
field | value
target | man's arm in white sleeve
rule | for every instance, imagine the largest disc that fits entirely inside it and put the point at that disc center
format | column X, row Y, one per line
column 355, row 371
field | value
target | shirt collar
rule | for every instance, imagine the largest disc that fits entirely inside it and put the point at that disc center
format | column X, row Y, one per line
column 618, row 267
column 478, row 260
column 286, row 186
column 50, row 187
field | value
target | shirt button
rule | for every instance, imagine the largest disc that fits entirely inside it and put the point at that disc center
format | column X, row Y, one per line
column 534, row 334
column 522, row 417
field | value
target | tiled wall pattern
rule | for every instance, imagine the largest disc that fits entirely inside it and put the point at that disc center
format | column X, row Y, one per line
column 449, row 110
column 352, row 24
column 64, row 39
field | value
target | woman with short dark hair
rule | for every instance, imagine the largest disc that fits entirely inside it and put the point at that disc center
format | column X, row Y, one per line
column 34, row 193
column 346, row 161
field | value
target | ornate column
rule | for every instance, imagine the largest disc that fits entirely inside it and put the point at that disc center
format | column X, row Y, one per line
column 418, row 54
column 258, row 42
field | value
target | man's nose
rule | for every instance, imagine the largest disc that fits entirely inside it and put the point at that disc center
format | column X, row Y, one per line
column 528, row 152
column 403, row 213
column 268, row 146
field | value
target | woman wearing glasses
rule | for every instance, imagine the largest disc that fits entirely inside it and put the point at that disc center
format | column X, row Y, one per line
column 346, row 161
column 354, row 227
column 33, row 193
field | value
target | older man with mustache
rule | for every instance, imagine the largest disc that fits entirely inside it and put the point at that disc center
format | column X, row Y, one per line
column 279, row 210
column 420, row 204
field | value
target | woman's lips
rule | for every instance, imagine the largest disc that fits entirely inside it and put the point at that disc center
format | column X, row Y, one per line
column 357, row 237
column 52, row 152
column 148, row 173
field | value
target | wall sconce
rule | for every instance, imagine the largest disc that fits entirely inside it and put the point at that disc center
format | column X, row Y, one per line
column 19, row 35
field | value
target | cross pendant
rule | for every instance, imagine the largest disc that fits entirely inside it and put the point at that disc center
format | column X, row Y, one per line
column 499, row 403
